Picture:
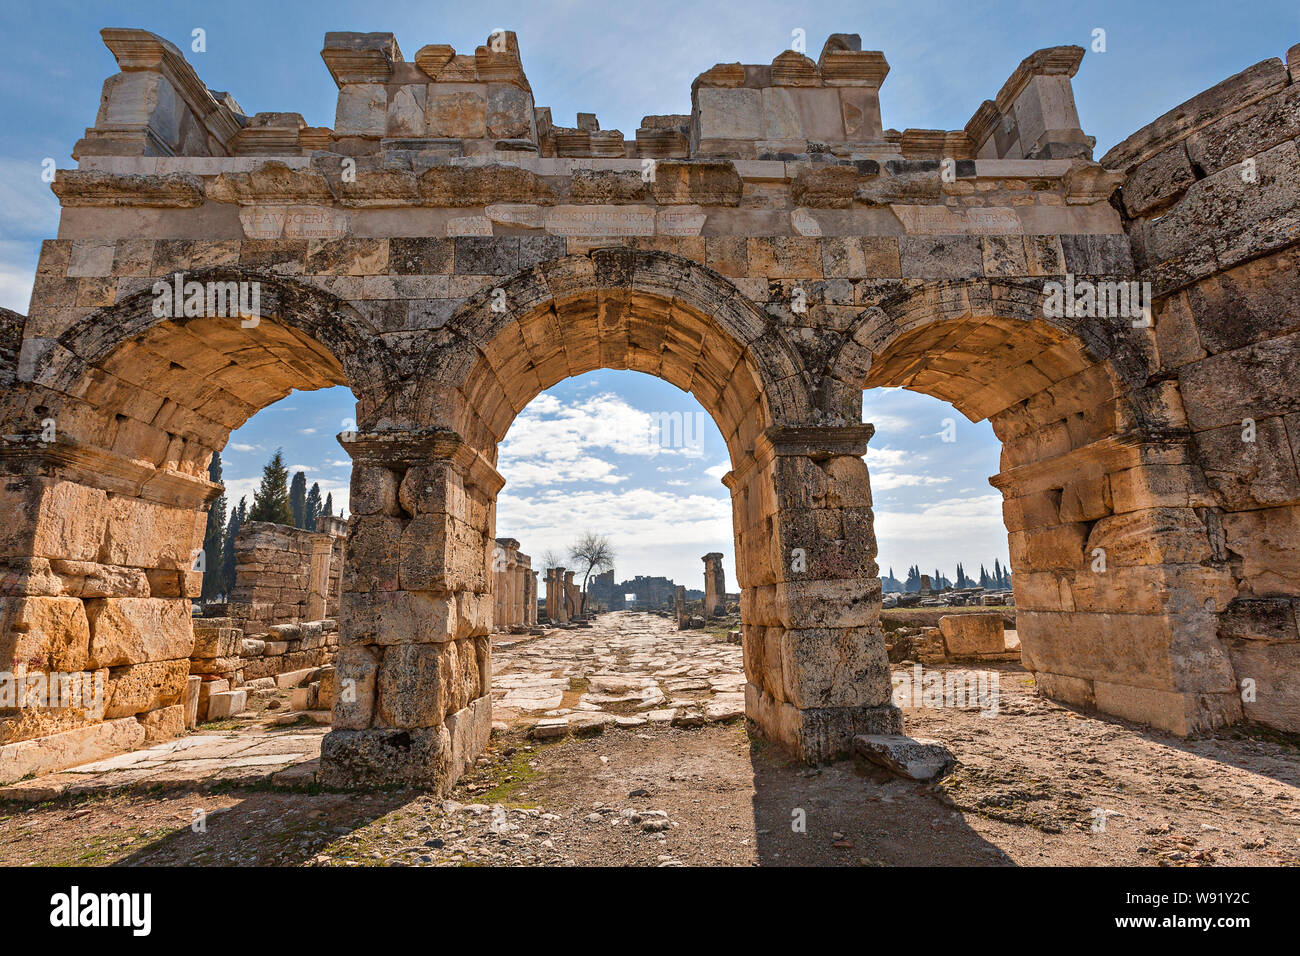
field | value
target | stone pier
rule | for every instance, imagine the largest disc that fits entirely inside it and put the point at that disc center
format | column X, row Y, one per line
column 715, row 585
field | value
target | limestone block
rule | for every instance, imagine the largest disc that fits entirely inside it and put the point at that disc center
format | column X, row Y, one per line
column 383, row 757
column 51, row 519
column 703, row 183
column 70, row 748
column 835, row 667
column 410, row 687
column 398, row 617
column 509, row 112
column 729, row 113
column 1250, row 474
column 406, row 112
column 44, row 633
column 969, row 635
column 328, row 687
column 1273, row 698
column 163, row 724
column 362, row 110
column 439, row 552
column 228, row 704
column 87, row 579
column 374, row 490
column 1247, row 132
column 145, row 534
column 1268, row 543
column 190, row 701
column 373, row 549
column 468, row 730
column 143, row 687
column 1178, row 712
column 135, row 630
column 356, row 673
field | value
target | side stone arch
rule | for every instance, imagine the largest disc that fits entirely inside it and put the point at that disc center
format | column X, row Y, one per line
column 1117, row 572
column 416, row 621
column 105, row 440
column 335, row 343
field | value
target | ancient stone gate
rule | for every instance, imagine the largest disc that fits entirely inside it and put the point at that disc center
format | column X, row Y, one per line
column 448, row 253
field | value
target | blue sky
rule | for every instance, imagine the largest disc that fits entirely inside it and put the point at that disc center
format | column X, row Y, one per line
column 622, row 61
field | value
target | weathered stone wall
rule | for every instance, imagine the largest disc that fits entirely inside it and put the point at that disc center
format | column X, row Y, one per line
column 778, row 254
column 274, row 575
column 1212, row 204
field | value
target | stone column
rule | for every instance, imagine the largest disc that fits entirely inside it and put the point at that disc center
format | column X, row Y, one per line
column 517, row 595
column 557, row 604
column 530, row 618
column 412, row 704
column 815, row 658
column 318, row 588
column 715, row 584
column 572, row 601
column 679, row 604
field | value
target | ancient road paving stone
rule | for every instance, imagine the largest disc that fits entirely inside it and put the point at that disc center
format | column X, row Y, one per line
column 627, row 668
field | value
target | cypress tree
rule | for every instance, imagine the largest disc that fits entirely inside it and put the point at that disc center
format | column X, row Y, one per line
column 237, row 518
column 298, row 499
column 313, row 506
column 213, row 534
column 271, row 499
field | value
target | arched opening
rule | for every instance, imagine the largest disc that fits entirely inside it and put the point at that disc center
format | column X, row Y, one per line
column 631, row 460
column 1116, row 576
column 106, row 469
column 424, row 500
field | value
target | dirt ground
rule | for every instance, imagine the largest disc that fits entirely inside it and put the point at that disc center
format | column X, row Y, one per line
column 1037, row 784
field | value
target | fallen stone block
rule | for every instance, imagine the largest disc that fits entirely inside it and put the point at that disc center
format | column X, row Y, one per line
column 969, row 635
column 294, row 678
column 69, row 749
column 222, row 706
column 915, row 759
column 549, row 727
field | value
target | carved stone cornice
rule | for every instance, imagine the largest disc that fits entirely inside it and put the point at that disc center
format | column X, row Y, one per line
column 106, row 470
column 142, row 50
column 78, row 187
column 420, row 446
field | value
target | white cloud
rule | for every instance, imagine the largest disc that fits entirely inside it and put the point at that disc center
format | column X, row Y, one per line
column 718, row 470
column 242, row 447
column 306, row 431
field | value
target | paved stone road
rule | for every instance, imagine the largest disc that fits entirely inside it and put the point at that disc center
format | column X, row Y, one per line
column 629, row 668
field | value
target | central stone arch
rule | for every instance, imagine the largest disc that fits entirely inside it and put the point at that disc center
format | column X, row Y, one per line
column 423, row 497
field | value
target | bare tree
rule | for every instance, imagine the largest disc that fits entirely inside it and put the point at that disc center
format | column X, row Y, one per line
column 551, row 559
column 591, row 552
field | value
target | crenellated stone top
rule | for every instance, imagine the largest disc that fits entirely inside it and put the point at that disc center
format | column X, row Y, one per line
column 793, row 147
column 447, row 105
